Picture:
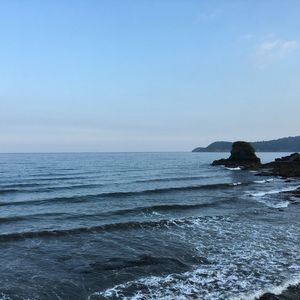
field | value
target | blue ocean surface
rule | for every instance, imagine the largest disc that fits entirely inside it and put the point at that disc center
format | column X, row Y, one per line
column 143, row 226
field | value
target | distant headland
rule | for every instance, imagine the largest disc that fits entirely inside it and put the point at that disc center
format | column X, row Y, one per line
column 286, row 144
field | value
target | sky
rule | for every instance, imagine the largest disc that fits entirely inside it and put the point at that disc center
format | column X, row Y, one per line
column 146, row 75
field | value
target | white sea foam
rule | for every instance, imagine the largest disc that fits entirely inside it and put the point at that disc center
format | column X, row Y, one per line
column 264, row 181
column 260, row 181
column 155, row 213
column 271, row 192
column 276, row 290
column 4, row 297
column 281, row 204
column 274, row 202
column 190, row 285
column 237, row 183
column 233, row 169
column 232, row 269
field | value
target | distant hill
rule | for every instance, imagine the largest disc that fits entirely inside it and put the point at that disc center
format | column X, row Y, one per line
column 287, row 144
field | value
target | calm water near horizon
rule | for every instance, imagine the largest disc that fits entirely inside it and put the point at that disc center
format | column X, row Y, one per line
column 143, row 226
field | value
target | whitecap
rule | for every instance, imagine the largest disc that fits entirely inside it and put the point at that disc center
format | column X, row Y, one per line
column 281, row 204
column 271, row 192
column 276, row 290
column 270, row 180
column 233, row 169
column 219, row 279
column 264, row 180
column 155, row 213
column 236, row 183
column 260, row 181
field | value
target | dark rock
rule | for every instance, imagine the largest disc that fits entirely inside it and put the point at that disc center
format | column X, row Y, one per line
column 295, row 157
column 268, row 296
column 242, row 155
column 291, row 293
column 287, row 166
column 243, row 151
column 294, row 193
column 265, row 173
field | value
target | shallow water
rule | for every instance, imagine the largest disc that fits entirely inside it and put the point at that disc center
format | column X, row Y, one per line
column 143, row 226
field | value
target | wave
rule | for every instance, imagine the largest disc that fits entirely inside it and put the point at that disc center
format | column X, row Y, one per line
column 8, row 191
column 200, row 283
column 233, row 169
column 171, row 189
column 55, row 174
column 40, row 188
column 121, row 212
column 162, row 207
column 272, row 192
column 124, row 194
column 121, row 194
column 20, row 188
column 144, row 260
column 264, row 181
column 154, row 208
column 30, row 217
column 55, row 200
column 272, row 202
column 281, row 204
column 275, row 290
column 105, row 227
column 28, row 181
column 19, row 185
column 180, row 206
column 237, row 183
column 68, row 187
column 60, row 178
column 4, row 296
column 172, row 179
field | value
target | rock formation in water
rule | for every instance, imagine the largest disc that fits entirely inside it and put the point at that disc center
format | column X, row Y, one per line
column 287, row 166
column 268, row 296
column 291, row 293
column 242, row 155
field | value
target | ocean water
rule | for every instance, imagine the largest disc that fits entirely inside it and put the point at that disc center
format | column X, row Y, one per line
column 143, row 226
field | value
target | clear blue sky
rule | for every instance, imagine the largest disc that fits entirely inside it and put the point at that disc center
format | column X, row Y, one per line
column 153, row 75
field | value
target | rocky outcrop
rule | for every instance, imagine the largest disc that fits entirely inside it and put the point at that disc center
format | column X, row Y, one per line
column 268, row 296
column 287, row 166
column 291, row 293
column 242, row 155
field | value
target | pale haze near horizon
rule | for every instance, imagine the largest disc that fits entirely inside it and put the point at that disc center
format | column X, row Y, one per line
column 146, row 75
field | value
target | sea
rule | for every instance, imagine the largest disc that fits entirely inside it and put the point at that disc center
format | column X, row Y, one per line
column 144, row 226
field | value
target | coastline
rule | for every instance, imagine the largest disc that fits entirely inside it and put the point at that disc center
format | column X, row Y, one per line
column 290, row 290
column 243, row 157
